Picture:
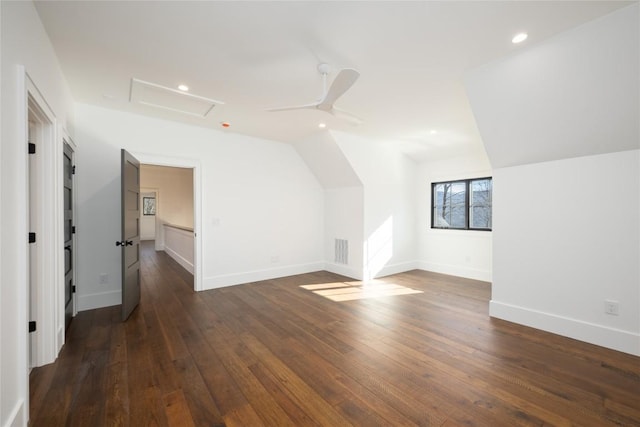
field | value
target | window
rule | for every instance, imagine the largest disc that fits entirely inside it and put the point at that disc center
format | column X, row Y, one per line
column 462, row 205
column 148, row 205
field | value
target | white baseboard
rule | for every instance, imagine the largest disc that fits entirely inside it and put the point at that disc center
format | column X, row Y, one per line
column 343, row 270
column 455, row 270
column 102, row 299
column 616, row 339
column 402, row 267
column 224, row 280
column 17, row 416
column 61, row 337
column 185, row 263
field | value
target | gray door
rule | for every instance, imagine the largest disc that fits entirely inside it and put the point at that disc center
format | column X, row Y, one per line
column 67, row 160
column 130, row 242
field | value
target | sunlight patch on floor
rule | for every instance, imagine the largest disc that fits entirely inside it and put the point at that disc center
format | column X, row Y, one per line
column 358, row 290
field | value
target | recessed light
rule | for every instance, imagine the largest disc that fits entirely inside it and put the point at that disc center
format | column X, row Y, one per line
column 433, row 131
column 519, row 38
column 183, row 88
column 322, row 125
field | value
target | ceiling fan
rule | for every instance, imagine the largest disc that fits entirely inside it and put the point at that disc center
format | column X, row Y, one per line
column 342, row 82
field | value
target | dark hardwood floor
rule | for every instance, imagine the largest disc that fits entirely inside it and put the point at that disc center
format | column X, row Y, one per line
column 275, row 354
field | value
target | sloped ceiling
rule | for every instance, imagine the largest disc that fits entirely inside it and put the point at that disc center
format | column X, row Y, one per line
column 256, row 55
column 576, row 94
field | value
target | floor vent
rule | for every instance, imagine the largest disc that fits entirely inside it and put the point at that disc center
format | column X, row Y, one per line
column 342, row 251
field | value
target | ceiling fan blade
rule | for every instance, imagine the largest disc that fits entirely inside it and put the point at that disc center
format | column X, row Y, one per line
column 341, row 114
column 295, row 107
column 343, row 81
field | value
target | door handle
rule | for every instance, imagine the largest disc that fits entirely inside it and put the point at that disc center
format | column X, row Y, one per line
column 128, row 242
column 120, row 243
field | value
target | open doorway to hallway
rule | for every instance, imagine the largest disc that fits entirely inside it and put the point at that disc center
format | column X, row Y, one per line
column 167, row 211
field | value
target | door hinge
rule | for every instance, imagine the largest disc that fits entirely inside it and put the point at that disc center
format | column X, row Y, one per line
column 73, row 170
column 73, row 229
column 73, row 289
column 32, row 148
column 32, row 237
column 32, row 326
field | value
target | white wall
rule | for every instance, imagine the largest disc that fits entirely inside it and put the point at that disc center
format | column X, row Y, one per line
column 24, row 42
column 388, row 178
column 464, row 253
column 567, row 238
column 559, row 247
column 262, row 208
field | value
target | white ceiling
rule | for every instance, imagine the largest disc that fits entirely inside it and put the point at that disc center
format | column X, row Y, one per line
column 256, row 55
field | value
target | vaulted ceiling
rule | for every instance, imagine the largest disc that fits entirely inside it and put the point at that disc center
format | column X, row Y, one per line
column 255, row 55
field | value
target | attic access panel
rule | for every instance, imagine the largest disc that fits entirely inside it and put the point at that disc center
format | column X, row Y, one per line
column 154, row 95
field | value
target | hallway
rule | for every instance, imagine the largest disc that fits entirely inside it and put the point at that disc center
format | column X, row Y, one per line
column 285, row 353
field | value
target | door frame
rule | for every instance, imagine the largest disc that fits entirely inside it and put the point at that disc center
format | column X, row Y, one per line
column 181, row 162
column 65, row 138
column 49, row 268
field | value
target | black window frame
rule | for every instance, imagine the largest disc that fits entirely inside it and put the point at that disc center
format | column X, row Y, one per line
column 467, row 183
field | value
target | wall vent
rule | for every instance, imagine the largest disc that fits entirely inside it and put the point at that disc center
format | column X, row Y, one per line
column 341, row 251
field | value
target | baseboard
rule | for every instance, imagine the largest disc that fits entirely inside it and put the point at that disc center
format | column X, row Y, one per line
column 224, row 280
column 102, row 299
column 455, row 270
column 616, row 339
column 17, row 416
column 343, row 270
column 61, row 337
column 402, row 267
column 185, row 263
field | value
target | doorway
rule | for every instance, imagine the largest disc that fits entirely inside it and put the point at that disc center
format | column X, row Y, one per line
column 193, row 165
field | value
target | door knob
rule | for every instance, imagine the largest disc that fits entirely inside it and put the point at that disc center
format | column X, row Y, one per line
column 129, row 242
column 120, row 243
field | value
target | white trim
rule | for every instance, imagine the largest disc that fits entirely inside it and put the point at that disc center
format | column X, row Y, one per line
column 402, row 267
column 456, row 270
column 616, row 339
column 225, row 280
column 17, row 416
column 343, row 270
column 180, row 237
column 49, row 267
column 155, row 159
column 103, row 299
column 20, row 412
column 179, row 259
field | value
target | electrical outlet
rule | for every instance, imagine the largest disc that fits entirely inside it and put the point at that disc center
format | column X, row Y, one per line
column 103, row 278
column 612, row 307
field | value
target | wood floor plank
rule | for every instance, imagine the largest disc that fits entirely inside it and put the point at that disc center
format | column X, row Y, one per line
column 275, row 353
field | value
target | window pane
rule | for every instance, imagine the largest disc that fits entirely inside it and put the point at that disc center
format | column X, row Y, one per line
column 449, row 209
column 480, row 201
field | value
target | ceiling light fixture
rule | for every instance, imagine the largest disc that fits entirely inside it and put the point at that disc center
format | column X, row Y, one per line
column 322, row 125
column 183, row 88
column 519, row 38
column 225, row 124
column 433, row 131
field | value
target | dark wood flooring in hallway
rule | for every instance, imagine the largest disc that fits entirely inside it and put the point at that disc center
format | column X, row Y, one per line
column 412, row 349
